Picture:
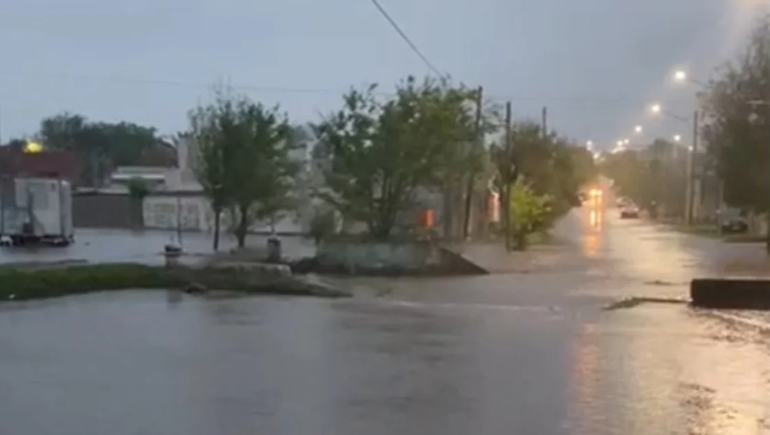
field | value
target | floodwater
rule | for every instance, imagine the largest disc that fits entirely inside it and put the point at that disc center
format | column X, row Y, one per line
column 93, row 245
column 519, row 353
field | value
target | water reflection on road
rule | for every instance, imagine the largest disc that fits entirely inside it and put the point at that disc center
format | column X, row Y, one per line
column 530, row 353
column 132, row 363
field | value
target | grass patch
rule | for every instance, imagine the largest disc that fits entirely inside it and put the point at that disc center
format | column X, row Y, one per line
column 24, row 284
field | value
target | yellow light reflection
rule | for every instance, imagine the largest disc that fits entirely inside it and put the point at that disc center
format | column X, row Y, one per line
column 596, row 218
column 592, row 240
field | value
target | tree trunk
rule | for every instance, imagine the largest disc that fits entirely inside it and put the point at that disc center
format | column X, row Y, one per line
column 520, row 241
column 217, row 224
column 505, row 205
column 243, row 226
column 767, row 235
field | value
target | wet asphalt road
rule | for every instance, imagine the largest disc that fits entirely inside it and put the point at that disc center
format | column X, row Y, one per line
column 526, row 353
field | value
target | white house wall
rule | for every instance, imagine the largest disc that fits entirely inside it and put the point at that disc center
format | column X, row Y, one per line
column 163, row 212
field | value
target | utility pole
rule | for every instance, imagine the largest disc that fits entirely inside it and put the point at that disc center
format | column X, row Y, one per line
column 473, row 149
column 544, row 122
column 506, row 175
column 691, row 157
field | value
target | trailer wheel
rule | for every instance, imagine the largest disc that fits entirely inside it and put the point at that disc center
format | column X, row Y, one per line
column 62, row 242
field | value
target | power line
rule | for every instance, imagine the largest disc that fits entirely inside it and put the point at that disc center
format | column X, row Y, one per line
column 540, row 99
column 409, row 42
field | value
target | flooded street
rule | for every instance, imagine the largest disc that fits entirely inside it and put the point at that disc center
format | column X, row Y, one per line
column 507, row 353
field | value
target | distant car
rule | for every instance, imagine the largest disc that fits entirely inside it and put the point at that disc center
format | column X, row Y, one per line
column 629, row 212
column 731, row 222
column 734, row 226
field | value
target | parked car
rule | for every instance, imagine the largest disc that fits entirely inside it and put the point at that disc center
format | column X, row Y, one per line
column 629, row 211
column 732, row 222
column 734, row 226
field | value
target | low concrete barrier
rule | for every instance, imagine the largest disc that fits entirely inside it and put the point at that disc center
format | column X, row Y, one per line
column 731, row 293
column 460, row 264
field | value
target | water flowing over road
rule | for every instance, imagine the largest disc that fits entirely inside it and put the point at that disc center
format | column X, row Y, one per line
column 529, row 350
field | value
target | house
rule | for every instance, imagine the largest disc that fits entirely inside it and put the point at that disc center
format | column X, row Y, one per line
column 178, row 200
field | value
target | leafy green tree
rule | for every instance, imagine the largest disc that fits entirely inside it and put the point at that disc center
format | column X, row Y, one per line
column 553, row 168
column 102, row 145
column 262, row 170
column 653, row 177
column 243, row 160
column 211, row 135
column 736, row 130
column 137, row 191
column 378, row 153
column 528, row 210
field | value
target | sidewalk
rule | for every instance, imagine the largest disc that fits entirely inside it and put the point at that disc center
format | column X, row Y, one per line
column 560, row 253
column 493, row 258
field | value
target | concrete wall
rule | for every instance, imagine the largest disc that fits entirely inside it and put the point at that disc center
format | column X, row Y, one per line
column 378, row 256
column 97, row 210
column 392, row 258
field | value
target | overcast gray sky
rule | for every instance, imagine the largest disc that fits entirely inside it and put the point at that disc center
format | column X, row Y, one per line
column 595, row 63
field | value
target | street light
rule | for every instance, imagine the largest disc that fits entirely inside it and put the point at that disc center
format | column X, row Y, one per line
column 657, row 109
column 677, row 138
column 638, row 129
column 33, row 147
column 626, row 141
column 681, row 76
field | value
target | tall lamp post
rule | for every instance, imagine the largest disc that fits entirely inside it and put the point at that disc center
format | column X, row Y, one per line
column 689, row 200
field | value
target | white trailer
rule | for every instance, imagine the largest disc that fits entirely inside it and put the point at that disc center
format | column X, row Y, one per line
column 35, row 210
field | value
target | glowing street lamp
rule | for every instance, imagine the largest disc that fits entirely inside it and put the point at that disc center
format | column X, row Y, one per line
column 655, row 108
column 677, row 138
column 33, row 147
column 680, row 76
column 638, row 129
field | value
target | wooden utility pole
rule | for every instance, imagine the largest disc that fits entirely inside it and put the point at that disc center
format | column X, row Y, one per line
column 544, row 122
column 472, row 150
column 506, row 175
column 691, row 176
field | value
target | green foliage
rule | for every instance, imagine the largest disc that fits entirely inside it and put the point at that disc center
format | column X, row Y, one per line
column 376, row 153
column 735, row 131
column 103, row 145
column 552, row 168
column 21, row 284
column 243, row 159
column 528, row 211
column 138, row 189
column 654, row 177
column 44, row 283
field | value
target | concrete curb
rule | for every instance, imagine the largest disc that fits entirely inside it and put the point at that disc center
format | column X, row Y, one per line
column 731, row 293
